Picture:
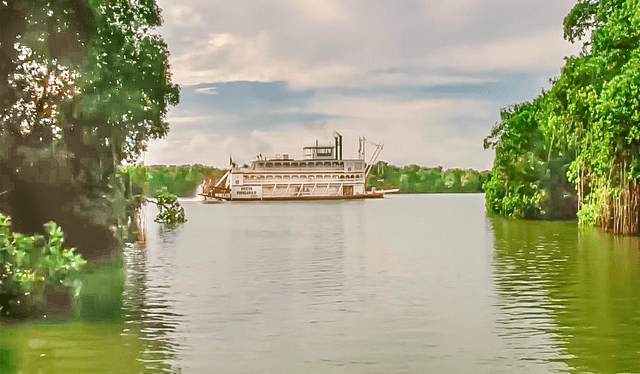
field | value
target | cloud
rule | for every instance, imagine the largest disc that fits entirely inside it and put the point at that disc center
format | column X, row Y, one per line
column 426, row 78
column 423, row 130
column 418, row 131
column 229, row 58
column 207, row 90
column 544, row 50
column 181, row 14
column 319, row 44
column 322, row 11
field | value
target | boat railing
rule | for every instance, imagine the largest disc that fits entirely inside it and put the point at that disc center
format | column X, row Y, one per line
column 303, row 189
column 275, row 179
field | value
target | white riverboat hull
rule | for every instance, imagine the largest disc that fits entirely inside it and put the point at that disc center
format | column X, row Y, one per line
column 321, row 175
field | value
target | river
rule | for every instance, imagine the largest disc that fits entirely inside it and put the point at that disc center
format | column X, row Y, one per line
column 404, row 284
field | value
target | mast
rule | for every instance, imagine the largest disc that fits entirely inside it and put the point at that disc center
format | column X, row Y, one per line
column 373, row 159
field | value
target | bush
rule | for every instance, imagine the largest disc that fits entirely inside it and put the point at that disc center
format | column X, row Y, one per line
column 169, row 210
column 31, row 266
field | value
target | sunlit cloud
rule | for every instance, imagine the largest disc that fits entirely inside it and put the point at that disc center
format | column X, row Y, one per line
column 426, row 78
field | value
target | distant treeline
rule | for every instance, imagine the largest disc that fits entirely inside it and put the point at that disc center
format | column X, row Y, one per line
column 183, row 180
column 180, row 180
column 418, row 179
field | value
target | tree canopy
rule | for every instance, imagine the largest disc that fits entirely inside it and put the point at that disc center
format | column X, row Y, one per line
column 588, row 121
column 83, row 85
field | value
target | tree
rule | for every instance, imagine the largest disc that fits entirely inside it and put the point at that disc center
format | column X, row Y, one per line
column 83, row 85
column 590, row 122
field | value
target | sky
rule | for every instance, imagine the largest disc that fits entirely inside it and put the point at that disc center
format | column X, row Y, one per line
column 425, row 78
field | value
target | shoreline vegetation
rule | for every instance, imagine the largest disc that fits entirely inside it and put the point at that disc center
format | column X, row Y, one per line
column 84, row 85
column 183, row 180
column 574, row 151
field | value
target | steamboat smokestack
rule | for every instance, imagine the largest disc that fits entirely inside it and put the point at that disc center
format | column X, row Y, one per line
column 338, row 138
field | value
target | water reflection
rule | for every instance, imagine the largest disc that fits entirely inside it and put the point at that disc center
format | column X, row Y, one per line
column 67, row 348
column 149, row 306
column 567, row 295
column 413, row 284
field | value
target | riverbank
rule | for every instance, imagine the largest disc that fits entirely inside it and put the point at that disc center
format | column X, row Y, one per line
column 183, row 180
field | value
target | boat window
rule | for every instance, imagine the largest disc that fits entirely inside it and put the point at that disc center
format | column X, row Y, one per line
column 341, row 164
column 278, row 177
column 335, row 164
column 303, row 164
column 294, row 164
column 277, row 165
column 269, row 164
column 287, row 164
column 327, row 164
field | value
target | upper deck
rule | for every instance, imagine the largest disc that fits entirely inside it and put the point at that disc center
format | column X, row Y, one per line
column 294, row 166
column 318, row 159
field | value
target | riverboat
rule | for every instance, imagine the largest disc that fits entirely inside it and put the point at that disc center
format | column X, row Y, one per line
column 321, row 174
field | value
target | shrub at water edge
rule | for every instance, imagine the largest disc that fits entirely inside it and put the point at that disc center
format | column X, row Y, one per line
column 33, row 268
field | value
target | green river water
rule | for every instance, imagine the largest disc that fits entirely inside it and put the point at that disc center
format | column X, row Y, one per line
column 404, row 284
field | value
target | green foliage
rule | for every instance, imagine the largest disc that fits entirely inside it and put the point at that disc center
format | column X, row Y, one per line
column 589, row 120
column 590, row 211
column 178, row 180
column 101, row 297
column 511, row 199
column 520, row 166
column 416, row 179
column 31, row 263
column 85, row 84
column 125, row 81
column 169, row 210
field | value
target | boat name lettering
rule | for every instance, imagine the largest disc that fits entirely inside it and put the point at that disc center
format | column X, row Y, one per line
column 246, row 191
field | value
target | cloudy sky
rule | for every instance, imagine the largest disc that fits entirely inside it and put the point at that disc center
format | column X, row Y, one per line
column 426, row 78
